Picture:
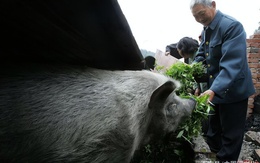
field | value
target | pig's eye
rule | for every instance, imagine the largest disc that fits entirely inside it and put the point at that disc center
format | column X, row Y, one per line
column 171, row 108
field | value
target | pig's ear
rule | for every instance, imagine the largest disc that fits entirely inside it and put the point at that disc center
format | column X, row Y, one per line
column 160, row 94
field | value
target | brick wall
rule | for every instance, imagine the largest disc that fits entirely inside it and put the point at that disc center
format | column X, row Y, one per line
column 253, row 56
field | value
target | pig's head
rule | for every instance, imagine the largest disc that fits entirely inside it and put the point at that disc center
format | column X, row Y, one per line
column 168, row 110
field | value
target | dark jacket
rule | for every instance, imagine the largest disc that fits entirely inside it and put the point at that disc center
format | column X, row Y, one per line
column 223, row 48
column 173, row 50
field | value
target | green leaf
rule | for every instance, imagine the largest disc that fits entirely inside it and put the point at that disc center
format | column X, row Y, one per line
column 180, row 134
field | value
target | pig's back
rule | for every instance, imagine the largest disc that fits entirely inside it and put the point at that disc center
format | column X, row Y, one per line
column 52, row 108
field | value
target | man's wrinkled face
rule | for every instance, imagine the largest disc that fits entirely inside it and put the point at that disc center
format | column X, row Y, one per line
column 204, row 14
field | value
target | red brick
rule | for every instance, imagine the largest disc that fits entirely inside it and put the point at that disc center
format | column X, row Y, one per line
column 255, row 36
column 253, row 70
column 253, row 60
column 253, row 65
column 253, row 40
column 249, row 112
column 257, row 85
column 252, row 50
column 251, row 102
column 251, row 108
column 254, row 75
column 253, row 55
column 253, row 44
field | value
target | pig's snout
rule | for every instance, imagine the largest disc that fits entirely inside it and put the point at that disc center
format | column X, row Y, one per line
column 191, row 104
column 193, row 100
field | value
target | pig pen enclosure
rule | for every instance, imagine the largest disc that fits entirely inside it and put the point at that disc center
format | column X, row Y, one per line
column 66, row 34
column 91, row 33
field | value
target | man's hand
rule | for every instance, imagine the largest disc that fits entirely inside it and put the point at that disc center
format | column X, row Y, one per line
column 197, row 92
column 210, row 93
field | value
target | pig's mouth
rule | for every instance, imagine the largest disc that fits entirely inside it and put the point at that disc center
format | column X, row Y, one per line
column 193, row 103
column 193, row 100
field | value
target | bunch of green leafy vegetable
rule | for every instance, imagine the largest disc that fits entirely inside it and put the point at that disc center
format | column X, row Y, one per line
column 185, row 74
column 192, row 126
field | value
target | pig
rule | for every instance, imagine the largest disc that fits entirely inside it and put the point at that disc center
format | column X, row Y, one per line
column 80, row 114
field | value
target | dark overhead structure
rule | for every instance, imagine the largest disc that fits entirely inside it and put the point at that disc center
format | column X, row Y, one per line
column 84, row 32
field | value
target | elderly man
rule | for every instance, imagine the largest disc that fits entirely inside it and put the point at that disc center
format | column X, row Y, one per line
column 223, row 48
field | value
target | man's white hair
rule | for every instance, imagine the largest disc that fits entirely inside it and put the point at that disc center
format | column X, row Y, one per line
column 203, row 2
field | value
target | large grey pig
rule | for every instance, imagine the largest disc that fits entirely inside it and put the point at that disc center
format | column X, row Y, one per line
column 79, row 114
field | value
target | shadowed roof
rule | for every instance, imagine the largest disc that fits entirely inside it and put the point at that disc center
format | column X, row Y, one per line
column 88, row 32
